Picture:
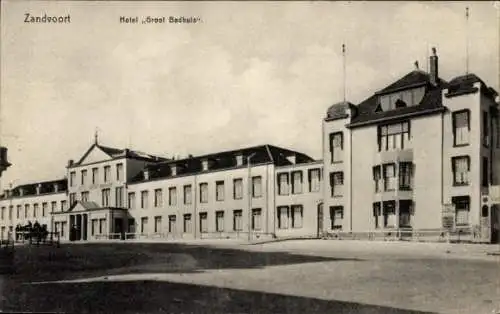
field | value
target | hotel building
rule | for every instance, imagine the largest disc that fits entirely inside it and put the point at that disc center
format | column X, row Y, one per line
column 415, row 154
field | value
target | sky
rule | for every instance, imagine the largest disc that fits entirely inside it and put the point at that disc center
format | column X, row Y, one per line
column 247, row 74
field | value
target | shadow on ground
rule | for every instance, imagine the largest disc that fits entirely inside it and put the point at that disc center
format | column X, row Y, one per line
column 166, row 297
column 74, row 261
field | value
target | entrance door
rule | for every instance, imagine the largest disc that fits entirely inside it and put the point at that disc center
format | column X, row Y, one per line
column 118, row 228
column 320, row 219
column 495, row 224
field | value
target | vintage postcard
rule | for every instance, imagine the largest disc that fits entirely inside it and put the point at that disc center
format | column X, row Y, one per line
column 250, row 157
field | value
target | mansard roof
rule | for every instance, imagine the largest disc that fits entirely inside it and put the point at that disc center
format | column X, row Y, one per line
column 263, row 154
column 366, row 112
column 46, row 187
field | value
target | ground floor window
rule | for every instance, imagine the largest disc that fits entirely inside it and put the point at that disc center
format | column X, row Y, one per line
column 131, row 225
column 389, row 211
column 238, row 220
column 462, row 208
column 283, row 217
column 203, row 222
column 336, row 217
column 94, row 224
column 405, row 213
column 376, row 214
column 157, row 224
column 63, row 228
column 172, row 222
column 144, row 224
column 187, row 228
column 297, row 215
column 256, row 218
column 219, row 221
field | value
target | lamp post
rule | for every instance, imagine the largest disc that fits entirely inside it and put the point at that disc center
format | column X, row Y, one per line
column 249, row 180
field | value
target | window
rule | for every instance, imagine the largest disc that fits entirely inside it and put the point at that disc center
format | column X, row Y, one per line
column 461, row 127
column 107, row 173
column 203, row 222
column 18, row 211
column 405, row 175
column 187, row 194
column 93, row 226
column 497, row 132
column 84, row 176
column 389, row 214
column 105, row 197
column 462, row 207
column 72, row 177
column 460, row 167
column 27, row 208
column 336, row 147
column 203, row 192
column 377, row 178
column 314, row 180
column 219, row 221
column 257, row 186
column 158, row 197
column 188, row 227
column 405, row 212
column 238, row 220
column 131, row 200
column 296, row 182
column 486, row 129
column 172, row 196
column 72, row 198
column 95, row 175
column 85, row 196
column 283, row 183
column 119, row 196
column 484, row 176
column 158, row 224
column 336, row 217
column 11, row 208
column 238, row 189
column 172, row 221
column 45, row 207
column 394, row 136
column 64, row 205
column 144, row 224
column 297, row 215
column 219, row 190
column 35, row 210
column 389, row 177
column 144, row 199
column 3, row 213
column 53, row 205
column 376, row 214
column 119, row 172
column 283, row 217
column 256, row 218
column 336, row 183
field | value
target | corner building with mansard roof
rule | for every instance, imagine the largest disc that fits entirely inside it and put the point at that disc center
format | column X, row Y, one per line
column 417, row 151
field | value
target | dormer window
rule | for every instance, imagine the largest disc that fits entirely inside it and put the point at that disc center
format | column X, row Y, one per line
column 239, row 160
column 401, row 99
column 204, row 165
column 173, row 170
column 146, row 174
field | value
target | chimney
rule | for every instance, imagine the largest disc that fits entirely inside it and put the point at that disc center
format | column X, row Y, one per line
column 70, row 163
column 38, row 188
column 434, row 70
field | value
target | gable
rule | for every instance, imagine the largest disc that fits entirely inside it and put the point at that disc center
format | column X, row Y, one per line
column 96, row 154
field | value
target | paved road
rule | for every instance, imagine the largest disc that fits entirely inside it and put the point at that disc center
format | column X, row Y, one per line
column 318, row 277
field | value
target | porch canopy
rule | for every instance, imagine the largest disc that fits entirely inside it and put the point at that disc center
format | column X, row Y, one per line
column 83, row 217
